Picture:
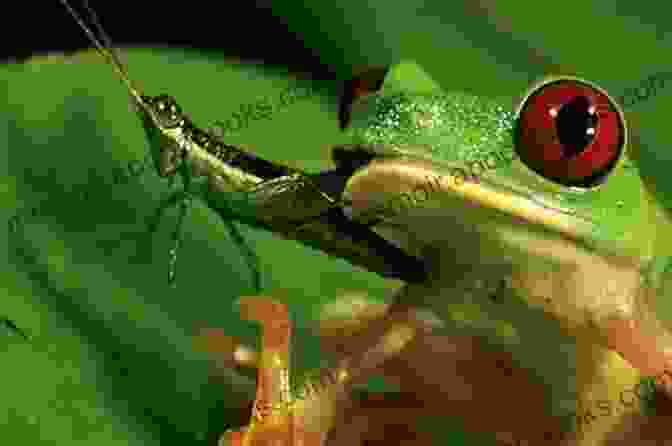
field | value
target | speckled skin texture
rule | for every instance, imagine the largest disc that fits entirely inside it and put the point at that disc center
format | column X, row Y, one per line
column 571, row 280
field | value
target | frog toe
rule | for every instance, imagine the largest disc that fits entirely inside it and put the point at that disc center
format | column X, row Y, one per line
column 228, row 350
column 641, row 349
column 664, row 380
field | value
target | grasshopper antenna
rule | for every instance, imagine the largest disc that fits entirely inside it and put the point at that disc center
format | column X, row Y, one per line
column 105, row 49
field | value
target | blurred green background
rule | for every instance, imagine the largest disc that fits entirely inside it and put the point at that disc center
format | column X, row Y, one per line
column 111, row 358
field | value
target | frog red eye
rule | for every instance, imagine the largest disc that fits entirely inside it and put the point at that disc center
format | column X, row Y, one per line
column 570, row 132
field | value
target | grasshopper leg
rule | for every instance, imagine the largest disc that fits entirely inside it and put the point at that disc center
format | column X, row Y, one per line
column 173, row 200
column 248, row 252
column 185, row 203
column 183, row 200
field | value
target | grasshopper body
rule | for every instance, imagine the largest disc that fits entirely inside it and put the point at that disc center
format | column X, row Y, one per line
column 238, row 185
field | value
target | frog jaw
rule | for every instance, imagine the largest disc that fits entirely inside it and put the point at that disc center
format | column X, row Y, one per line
column 491, row 215
column 549, row 258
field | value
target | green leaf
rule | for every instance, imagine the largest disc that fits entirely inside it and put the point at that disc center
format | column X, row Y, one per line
column 110, row 360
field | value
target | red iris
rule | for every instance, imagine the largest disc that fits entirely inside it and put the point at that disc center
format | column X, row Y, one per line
column 570, row 132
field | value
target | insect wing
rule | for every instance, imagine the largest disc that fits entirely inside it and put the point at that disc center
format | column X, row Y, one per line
column 289, row 197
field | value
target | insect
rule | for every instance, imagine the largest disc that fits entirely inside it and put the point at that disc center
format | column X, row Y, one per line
column 560, row 226
column 238, row 185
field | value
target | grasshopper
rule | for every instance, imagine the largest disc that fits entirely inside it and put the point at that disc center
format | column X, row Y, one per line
column 238, row 185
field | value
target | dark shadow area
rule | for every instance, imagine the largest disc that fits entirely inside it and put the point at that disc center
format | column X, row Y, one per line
column 246, row 30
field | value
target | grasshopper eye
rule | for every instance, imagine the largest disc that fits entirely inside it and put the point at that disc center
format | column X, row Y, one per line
column 165, row 110
column 570, row 132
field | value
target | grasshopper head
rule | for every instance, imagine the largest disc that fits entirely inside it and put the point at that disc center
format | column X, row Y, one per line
column 163, row 121
column 164, row 111
column 161, row 116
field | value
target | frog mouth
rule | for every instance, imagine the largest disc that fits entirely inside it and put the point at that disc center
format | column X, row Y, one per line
column 403, row 197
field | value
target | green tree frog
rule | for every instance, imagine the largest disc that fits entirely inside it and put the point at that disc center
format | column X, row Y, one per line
column 557, row 255
column 539, row 237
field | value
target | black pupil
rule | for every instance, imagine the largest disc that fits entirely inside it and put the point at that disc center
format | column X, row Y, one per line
column 572, row 123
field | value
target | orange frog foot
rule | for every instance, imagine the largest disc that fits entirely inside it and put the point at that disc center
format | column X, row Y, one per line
column 272, row 422
column 664, row 379
column 280, row 419
column 642, row 351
